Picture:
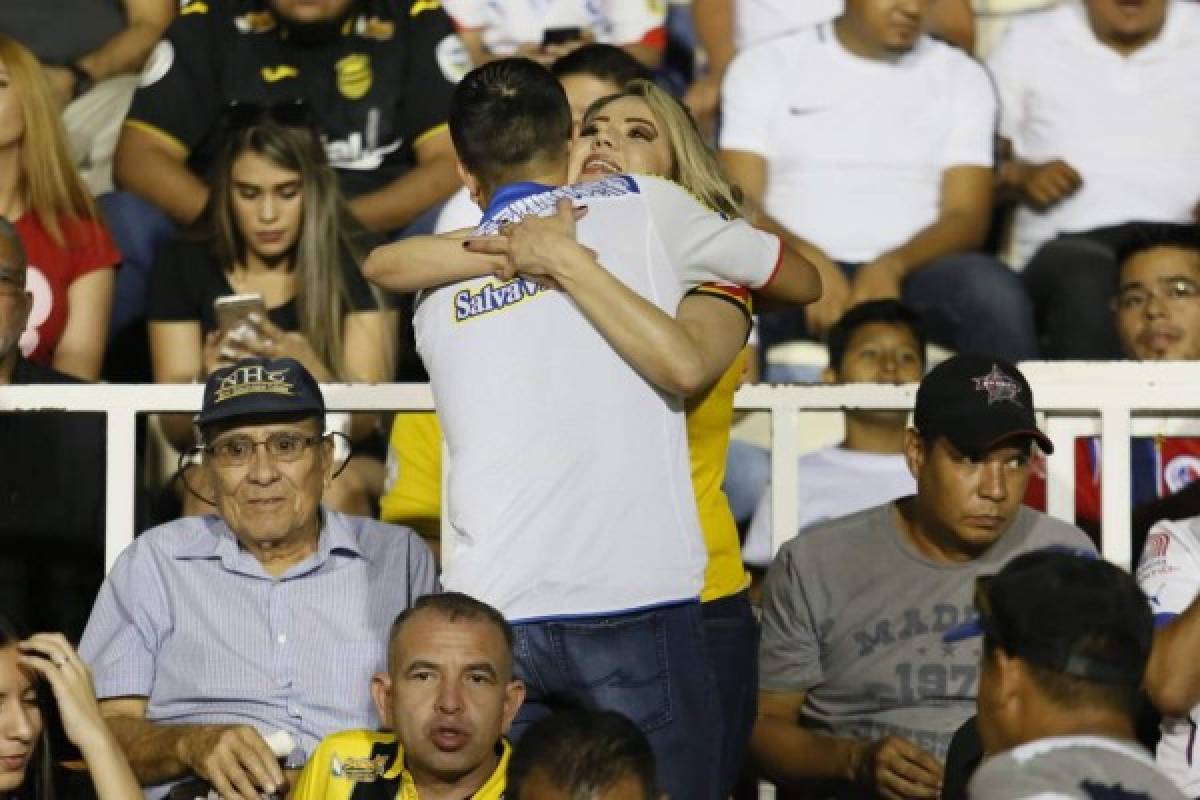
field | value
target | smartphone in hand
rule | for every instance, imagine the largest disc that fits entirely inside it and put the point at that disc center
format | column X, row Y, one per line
column 232, row 310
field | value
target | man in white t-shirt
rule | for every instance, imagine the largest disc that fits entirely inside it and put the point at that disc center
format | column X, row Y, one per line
column 1169, row 574
column 875, row 342
column 872, row 143
column 545, row 30
column 569, row 499
column 724, row 27
column 1100, row 121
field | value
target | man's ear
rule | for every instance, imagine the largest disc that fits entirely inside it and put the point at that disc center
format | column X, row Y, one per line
column 514, row 696
column 474, row 187
column 915, row 452
column 381, row 694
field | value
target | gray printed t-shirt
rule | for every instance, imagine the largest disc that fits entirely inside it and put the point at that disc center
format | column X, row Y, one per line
column 854, row 615
column 1072, row 768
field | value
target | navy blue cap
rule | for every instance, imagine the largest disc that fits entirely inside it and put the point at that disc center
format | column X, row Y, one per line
column 256, row 387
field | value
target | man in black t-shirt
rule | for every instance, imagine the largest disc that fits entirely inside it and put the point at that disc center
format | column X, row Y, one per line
column 376, row 75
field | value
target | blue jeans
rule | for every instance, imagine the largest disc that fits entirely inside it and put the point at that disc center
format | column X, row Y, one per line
column 731, row 633
column 968, row 302
column 651, row 666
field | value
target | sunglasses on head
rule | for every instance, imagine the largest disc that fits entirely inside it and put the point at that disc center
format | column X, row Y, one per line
column 289, row 113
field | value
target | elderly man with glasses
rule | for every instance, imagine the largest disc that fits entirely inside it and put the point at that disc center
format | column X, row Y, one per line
column 261, row 622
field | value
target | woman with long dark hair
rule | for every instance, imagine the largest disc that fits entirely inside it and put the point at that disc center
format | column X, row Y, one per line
column 29, row 668
column 275, row 226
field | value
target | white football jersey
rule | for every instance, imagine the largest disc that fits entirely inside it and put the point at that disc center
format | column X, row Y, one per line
column 569, row 490
column 1169, row 574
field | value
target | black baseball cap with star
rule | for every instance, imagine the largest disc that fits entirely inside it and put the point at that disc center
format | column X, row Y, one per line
column 978, row 403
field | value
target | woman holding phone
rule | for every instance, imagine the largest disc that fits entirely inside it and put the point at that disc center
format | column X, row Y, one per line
column 277, row 227
column 28, row 668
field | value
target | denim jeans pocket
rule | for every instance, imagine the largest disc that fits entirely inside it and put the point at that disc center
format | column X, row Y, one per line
column 619, row 664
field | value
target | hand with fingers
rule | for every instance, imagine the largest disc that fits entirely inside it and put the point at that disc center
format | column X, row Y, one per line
column 1046, row 185
column 267, row 340
column 539, row 248
column 896, row 769
column 235, row 759
column 52, row 657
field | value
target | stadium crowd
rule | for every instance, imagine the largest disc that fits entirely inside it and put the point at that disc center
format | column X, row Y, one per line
column 586, row 223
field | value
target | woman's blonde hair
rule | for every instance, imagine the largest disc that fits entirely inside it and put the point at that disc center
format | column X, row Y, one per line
column 693, row 164
column 327, row 238
column 47, row 180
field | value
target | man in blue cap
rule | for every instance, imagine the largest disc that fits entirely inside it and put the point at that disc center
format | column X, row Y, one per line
column 213, row 634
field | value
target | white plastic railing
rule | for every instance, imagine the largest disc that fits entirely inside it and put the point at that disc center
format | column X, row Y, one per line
column 1113, row 400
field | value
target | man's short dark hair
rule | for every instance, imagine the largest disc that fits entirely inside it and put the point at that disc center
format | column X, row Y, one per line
column 1069, row 692
column 583, row 752
column 604, row 62
column 453, row 606
column 1158, row 234
column 888, row 312
column 506, row 114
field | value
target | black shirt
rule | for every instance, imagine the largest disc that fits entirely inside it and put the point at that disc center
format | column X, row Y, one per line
column 187, row 278
column 52, row 475
column 376, row 86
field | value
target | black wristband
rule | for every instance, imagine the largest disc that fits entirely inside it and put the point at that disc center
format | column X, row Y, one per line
column 83, row 79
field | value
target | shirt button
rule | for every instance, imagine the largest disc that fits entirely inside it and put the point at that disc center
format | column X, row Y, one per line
column 282, row 639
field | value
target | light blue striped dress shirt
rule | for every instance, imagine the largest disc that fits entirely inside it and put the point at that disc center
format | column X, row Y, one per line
column 192, row 622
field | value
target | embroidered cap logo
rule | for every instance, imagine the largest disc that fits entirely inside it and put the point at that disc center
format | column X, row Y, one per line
column 999, row 387
column 253, row 380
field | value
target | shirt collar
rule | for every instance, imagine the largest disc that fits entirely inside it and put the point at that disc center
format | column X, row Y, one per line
column 510, row 193
column 213, row 539
column 492, row 788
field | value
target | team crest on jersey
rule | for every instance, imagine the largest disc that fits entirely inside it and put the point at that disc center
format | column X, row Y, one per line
column 492, row 297
column 1180, row 471
column 1157, row 545
column 381, row 30
column 354, row 75
column 359, row 770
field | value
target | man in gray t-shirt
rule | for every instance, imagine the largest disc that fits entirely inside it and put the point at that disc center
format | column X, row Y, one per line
column 857, row 689
column 1065, row 645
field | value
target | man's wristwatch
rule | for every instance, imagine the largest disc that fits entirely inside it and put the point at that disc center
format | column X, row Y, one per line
column 83, row 79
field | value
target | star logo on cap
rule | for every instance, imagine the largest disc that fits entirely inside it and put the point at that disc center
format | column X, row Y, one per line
column 999, row 387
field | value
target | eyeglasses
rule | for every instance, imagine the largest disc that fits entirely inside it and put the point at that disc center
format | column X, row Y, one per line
column 236, row 451
column 290, row 114
column 1174, row 291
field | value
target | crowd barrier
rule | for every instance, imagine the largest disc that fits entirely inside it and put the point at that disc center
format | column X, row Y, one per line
column 1111, row 399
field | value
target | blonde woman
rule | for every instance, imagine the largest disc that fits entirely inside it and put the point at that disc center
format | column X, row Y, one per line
column 72, row 259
